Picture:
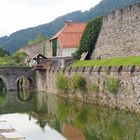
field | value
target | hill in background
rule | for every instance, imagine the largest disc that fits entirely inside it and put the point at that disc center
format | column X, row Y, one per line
column 20, row 38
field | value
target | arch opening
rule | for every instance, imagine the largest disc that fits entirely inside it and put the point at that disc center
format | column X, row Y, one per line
column 3, row 91
column 24, row 89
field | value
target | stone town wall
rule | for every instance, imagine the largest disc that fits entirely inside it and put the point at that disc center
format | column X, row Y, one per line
column 42, row 48
column 128, row 93
column 120, row 34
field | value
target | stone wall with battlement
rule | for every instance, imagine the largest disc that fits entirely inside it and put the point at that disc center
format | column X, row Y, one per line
column 120, row 34
column 127, row 96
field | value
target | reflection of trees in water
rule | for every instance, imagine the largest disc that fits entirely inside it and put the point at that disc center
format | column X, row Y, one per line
column 24, row 89
column 2, row 91
column 25, row 96
column 41, row 111
column 24, row 84
column 2, row 97
column 94, row 122
column 99, row 123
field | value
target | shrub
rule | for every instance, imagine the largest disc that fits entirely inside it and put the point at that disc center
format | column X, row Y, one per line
column 62, row 82
column 93, row 88
column 78, row 82
column 111, row 84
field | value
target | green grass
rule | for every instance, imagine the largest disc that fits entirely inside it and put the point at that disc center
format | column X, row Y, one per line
column 124, row 61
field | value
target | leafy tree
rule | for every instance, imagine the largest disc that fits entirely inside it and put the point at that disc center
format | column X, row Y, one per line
column 19, row 57
column 3, row 52
column 89, row 38
column 7, row 61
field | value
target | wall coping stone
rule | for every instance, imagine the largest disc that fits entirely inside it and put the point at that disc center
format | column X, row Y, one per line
column 100, row 69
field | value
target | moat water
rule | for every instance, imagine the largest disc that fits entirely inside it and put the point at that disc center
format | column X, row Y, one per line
column 39, row 116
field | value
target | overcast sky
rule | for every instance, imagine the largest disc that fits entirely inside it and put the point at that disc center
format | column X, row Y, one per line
column 20, row 14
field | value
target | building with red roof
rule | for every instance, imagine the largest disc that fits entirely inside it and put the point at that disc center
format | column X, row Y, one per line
column 66, row 41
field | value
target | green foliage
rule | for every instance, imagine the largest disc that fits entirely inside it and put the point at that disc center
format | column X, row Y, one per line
column 2, row 97
column 124, row 61
column 111, row 84
column 78, row 82
column 54, row 47
column 62, row 83
column 3, row 52
column 89, row 37
column 2, row 86
column 19, row 57
column 7, row 61
column 92, row 88
column 42, row 123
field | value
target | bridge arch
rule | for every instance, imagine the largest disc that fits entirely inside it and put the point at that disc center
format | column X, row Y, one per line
column 11, row 75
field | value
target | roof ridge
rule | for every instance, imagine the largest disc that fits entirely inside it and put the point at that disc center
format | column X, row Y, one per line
column 65, row 26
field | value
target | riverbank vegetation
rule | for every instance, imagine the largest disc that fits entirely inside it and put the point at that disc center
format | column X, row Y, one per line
column 124, row 61
column 62, row 83
column 75, row 83
column 111, row 84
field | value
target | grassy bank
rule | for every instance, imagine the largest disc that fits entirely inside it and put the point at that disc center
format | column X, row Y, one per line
column 132, row 60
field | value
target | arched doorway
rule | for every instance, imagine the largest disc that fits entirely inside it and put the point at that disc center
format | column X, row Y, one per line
column 24, row 89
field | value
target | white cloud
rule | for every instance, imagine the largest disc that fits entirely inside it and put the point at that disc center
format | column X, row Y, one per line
column 19, row 14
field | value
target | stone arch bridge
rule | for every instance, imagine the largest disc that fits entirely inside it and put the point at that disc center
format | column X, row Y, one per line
column 11, row 75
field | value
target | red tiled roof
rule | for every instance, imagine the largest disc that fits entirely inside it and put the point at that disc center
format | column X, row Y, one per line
column 69, row 36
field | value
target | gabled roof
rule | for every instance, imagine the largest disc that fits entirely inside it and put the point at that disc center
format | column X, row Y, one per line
column 39, row 56
column 69, row 36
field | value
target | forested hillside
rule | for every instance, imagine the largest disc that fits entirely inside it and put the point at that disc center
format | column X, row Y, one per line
column 20, row 38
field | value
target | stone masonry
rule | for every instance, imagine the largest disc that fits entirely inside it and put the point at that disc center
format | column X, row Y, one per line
column 127, row 96
column 11, row 75
column 38, row 48
column 120, row 34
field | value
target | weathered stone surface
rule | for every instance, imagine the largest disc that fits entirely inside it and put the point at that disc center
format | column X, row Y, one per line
column 43, row 48
column 11, row 75
column 120, row 34
column 127, row 96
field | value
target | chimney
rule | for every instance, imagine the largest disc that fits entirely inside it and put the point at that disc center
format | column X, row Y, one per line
column 68, row 22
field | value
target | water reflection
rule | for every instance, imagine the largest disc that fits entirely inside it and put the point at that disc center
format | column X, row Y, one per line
column 75, row 120
column 83, row 121
column 2, row 91
column 25, row 96
column 24, row 84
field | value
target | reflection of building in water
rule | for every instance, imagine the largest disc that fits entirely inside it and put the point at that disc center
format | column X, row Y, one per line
column 72, row 133
column 41, row 103
column 52, row 104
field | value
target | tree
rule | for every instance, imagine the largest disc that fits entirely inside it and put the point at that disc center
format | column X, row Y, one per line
column 19, row 57
column 3, row 52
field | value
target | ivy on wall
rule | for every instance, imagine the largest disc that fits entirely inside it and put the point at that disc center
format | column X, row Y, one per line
column 54, row 47
column 89, row 38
